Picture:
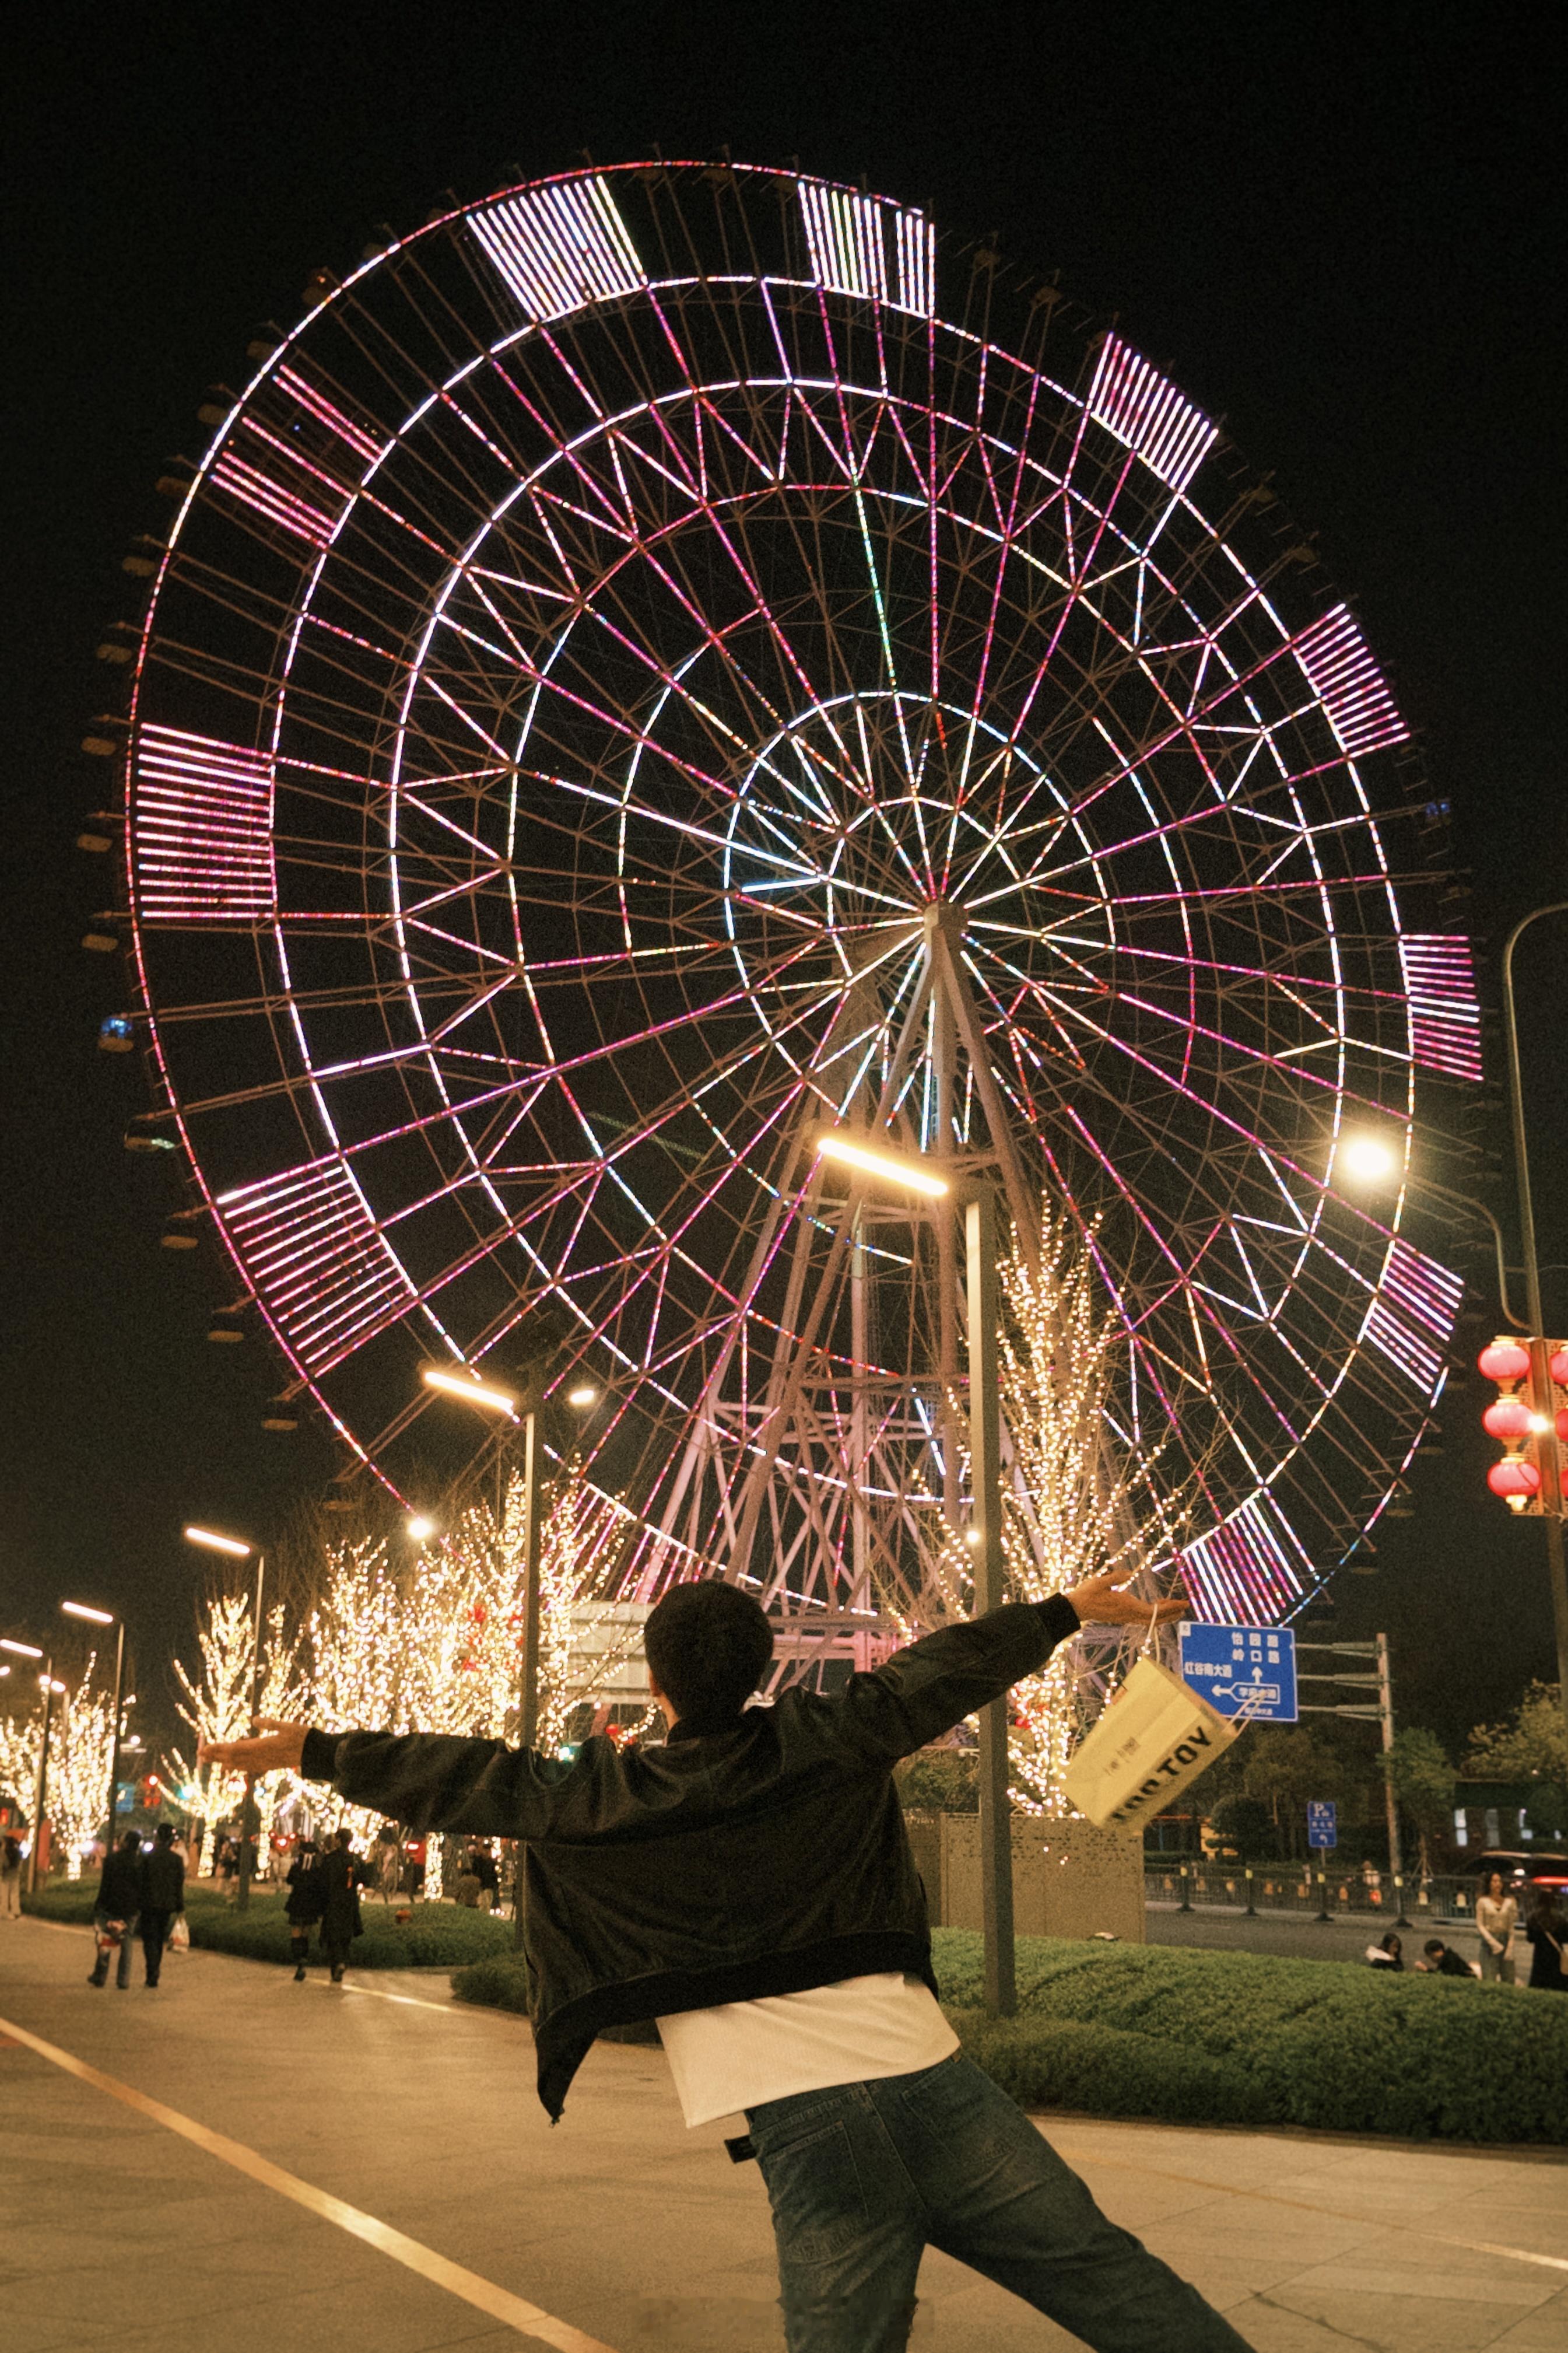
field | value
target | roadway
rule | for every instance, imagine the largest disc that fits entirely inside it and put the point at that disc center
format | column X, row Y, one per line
column 234, row 2164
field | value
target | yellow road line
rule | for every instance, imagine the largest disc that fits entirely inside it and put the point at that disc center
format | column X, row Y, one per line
column 1308, row 2206
column 515, row 2311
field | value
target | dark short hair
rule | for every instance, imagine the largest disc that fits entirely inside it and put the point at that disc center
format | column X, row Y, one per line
column 1433, row 1945
column 165, row 1834
column 344, row 1837
column 707, row 1647
column 128, row 1840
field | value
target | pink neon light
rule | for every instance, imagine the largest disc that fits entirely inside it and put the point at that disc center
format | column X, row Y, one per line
column 560, row 246
column 1346, row 680
column 1413, row 1355
column 320, row 1266
column 362, row 443
column 845, row 237
column 202, row 830
column 1427, row 1291
column 1445, row 1016
column 1137, row 403
column 1245, row 1572
column 270, row 500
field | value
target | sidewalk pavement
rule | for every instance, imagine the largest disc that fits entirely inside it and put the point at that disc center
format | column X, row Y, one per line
column 619, row 2232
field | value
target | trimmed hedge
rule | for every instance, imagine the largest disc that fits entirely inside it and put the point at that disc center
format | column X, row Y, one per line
column 1239, row 2039
column 438, row 1935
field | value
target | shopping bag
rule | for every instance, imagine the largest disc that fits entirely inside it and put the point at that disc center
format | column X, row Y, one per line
column 1155, row 1737
column 180, row 1934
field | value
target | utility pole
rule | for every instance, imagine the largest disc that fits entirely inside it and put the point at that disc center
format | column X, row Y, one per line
column 1553, row 1498
column 1382, row 1714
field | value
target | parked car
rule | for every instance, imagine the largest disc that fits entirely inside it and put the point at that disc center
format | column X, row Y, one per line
column 1521, row 1867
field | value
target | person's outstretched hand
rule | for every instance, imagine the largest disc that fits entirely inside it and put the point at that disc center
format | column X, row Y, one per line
column 1102, row 1601
column 272, row 1747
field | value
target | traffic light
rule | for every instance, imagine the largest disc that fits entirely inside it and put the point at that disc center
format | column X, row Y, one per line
column 1529, row 1415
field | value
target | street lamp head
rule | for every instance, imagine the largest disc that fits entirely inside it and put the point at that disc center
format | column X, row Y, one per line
column 916, row 1175
column 214, row 1542
column 20, row 1650
column 420, row 1528
column 472, row 1392
column 48, row 1683
column 583, row 1396
column 1363, row 1158
column 84, row 1609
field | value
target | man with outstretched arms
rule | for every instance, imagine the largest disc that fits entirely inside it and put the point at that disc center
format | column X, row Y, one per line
column 749, row 1885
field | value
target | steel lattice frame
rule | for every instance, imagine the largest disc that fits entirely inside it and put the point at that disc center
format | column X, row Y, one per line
column 599, row 634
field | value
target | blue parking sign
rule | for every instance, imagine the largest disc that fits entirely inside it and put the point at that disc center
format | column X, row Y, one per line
column 1322, row 1822
column 1242, row 1669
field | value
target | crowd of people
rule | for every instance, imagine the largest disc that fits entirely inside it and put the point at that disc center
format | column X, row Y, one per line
column 1504, row 1939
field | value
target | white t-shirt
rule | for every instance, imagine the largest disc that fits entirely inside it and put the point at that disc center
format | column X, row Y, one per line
column 744, row 2052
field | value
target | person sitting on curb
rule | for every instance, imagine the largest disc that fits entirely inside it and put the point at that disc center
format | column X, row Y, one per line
column 749, row 1885
column 1388, row 1953
column 1442, row 1961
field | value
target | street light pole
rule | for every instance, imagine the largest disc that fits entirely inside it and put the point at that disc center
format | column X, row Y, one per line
column 42, row 1793
column 985, row 1459
column 1542, row 1382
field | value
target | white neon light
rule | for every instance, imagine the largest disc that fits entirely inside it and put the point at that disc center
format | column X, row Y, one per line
column 847, row 236
column 1137, row 403
column 320, row 1266
column 202, row 830
column 1444, row 1014
column 560, row 246
column 473, row 1392
column 1342, row 674
column 1249, row 1571
column 1414, row 1289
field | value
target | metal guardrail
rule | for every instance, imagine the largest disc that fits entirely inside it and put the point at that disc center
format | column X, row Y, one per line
column 1302, row 1889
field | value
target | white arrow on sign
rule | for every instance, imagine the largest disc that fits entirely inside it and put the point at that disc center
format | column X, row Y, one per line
column 1268, row 1694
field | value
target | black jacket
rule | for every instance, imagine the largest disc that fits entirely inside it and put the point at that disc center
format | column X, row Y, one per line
column 338, row 1878
column 759, row 1859
column 304, row 1904
column 119, row 1890
column 162, row 1881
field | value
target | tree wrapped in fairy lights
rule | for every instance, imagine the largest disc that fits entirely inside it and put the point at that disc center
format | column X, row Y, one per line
column 20, row 1738
column 1079, row 1496
column 76, row 1802
column 215, row 1703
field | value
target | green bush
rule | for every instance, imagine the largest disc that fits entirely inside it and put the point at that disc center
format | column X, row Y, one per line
column 1240, row 2038
column 438, row 1935
column 499, row 1985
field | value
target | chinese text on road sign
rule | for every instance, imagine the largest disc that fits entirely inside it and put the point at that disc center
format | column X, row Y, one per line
column 1322, row 1829
column 1240, row 1670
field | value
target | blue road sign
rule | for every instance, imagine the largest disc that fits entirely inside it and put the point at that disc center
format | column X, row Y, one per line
column 1322, row 1822
column 1242, row 1667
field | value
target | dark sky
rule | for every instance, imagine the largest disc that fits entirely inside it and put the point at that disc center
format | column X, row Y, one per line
column 1341, row 229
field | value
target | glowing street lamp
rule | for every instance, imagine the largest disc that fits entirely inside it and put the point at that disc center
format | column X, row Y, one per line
column 235, row 1548
column 470, row 1391
column 85, row 1612
column 916, row 1175
column 419, row 1529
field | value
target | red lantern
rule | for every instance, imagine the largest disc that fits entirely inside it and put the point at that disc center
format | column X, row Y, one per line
column 1507, row 1418
column 1513, row 1477
column 1562, row 1423
column 1559, row 1368
column 1505, row 1360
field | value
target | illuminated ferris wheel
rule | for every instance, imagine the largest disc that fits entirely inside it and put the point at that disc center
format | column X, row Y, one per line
column 666, row 658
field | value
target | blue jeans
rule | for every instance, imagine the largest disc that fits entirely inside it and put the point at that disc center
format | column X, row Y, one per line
column 864, row 2177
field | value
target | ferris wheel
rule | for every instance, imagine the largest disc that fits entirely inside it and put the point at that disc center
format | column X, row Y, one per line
column 667, row 658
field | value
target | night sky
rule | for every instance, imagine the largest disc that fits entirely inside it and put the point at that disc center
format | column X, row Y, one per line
column 1339, row 229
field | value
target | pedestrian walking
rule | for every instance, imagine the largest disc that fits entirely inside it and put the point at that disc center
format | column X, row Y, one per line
column 161, row 1898
column 1496, row 1917
column 749, row 1884
column 115, row 1910
column 302, row 1905
column 10, row 1877
column 225, row 1869
column 1547, row 1931
column 482, row 1863
column 340, row 1875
